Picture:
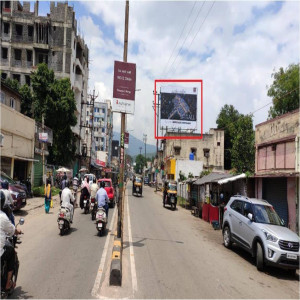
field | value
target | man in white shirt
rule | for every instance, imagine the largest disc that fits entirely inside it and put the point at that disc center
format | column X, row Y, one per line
column 102, row 198
column 67, row 199
column 94, row 188
column 7, row 229
column 8, row 199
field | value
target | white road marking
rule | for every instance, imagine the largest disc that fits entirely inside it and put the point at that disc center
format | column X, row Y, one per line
column 132, row 261
column 103, row 258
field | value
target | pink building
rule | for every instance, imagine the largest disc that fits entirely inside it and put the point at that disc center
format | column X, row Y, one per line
column 277, row 167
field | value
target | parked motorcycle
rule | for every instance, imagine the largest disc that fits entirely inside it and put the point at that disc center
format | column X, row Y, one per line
column 64, row 220
column 86, row 204
column 13, row 240
column 101, row 220
column 93, row 208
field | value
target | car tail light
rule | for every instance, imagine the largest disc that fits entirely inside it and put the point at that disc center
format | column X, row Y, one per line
column 225, row 208
column 93, row 200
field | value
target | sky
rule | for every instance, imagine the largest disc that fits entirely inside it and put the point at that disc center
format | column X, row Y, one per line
column 234, row 47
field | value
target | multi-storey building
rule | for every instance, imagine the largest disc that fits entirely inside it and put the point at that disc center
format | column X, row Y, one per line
column 100, row 125
column 28, row 39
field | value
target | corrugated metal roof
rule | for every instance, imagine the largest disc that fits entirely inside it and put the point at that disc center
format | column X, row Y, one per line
column 211, row 177
column 233, row 178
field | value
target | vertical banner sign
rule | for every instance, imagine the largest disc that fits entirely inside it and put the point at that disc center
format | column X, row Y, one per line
column 126, row 140
column 122, row 151
column 124, row 87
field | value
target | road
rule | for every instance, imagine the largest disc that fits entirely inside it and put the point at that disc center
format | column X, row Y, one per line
column 167, row 254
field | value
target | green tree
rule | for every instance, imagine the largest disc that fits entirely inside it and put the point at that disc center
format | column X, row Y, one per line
column 26, row 103
column 54, row 99
column 13, row 84
column 284, row 91
column 226, row 120
column 140, row 161
column 243, row 145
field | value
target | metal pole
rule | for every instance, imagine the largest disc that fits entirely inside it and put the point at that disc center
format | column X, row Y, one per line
column 121, row 185
column 43, row 148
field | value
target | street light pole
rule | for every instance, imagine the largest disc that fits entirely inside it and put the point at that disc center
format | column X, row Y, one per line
column 157, row 124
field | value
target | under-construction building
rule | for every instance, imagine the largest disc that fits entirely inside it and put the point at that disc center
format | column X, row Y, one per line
column 28, row 39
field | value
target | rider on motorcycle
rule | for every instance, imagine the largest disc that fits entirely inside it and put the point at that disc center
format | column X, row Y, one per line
column 67, row 199
column 102, row 198
column 8, row 199
column 85, row 191
column 7, row 251
column 94, row 188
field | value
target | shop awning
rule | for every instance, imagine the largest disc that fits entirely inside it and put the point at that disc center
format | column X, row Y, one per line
column 212, row 177
column 25, row 158
column 233, row 178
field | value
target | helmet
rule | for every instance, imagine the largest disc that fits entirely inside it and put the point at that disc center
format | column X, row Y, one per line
column 5, row 184
column 2, row 195
column 102, row 184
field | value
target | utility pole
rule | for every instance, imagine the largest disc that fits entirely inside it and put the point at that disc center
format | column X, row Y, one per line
column 157, row 124
column 92, row 104
column 141, row 150
column 122, row 156
column 43, row 148
column 145, row 141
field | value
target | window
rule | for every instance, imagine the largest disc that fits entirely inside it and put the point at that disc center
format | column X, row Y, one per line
column 29, row 55
column 43, row 58
column 206, row 152
column 6, row 28
column 103, row 129
column 237, row 206
column 4, row 53
column 87, row 113
column 18, row 54
column 17, row 77
column 247, row 209
column 19, row 30
column 2, row 97
column 30, row 30
column 6, row 4
column 177, row 150
column 54, row 28
column 12, row 103
column 218, row 143
column 3, row 75
column 97, row 139
column 27, row 80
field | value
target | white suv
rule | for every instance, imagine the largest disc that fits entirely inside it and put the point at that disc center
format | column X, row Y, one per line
column 254, row 225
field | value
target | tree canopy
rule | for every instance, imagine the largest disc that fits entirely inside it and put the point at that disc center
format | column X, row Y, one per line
column 140, row 161
column 284, row 91
column 226, row 120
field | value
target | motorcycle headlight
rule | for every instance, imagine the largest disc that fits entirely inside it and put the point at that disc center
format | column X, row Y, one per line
column 270, row 237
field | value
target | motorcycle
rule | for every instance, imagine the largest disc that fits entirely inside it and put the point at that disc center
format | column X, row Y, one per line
column 13, row 240
column 64, row 220
column 93, row 208
column 86, row 204
column 101, row 220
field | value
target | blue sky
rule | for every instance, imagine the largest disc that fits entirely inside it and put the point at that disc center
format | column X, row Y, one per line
column 234, row 51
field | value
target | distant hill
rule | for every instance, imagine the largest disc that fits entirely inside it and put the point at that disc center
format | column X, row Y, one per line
column 135, row 144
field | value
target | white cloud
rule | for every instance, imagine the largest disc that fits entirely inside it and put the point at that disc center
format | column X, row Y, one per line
column 236, row 71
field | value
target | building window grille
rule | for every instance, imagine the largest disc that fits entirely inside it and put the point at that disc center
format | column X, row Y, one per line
column 4, row 53
column 3, row 75
column 12, row 103
column 30, row 31
column 18, row 54
column 17, row 77
column 6, row 28
column 29, row 55
column 177, row 150
column 19, row 30
column 27, row 80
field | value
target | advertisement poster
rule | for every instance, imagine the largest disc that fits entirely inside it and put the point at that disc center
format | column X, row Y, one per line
column 179, row 107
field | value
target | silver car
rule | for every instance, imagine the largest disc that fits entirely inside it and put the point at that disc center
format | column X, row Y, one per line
column 254, row 225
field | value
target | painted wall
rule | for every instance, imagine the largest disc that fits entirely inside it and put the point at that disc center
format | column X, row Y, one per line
column 188, row 166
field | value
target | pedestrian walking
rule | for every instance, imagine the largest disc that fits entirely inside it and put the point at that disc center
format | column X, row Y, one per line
column 47, row 196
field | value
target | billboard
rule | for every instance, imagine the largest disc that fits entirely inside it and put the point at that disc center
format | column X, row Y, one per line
column 178, row 107
column 124, row 87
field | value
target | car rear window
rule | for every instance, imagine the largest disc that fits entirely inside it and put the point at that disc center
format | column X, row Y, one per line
column 107, row 183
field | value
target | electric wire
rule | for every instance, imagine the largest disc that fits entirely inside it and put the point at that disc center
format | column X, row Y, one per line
column 196, row 34
column 180, row 36
column 181, row 48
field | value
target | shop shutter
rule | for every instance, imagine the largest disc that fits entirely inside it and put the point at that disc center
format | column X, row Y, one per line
column 275, row 192
column 38, row 170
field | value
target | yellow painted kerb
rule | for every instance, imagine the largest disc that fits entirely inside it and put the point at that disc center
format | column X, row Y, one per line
column 116, row 254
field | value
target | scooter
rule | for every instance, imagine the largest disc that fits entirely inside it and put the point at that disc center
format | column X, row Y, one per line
column 86, row 205
column 101, row 220
column 13, row 240
column 93, row 208
column 64, row 220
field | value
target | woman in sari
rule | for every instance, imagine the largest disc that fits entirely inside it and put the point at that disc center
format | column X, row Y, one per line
column 47, row 196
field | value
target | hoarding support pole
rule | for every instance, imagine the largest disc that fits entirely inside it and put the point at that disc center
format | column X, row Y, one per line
column 122, row 153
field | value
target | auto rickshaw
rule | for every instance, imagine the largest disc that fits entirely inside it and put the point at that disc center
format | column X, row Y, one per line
column 137, row 186
column 170, row 194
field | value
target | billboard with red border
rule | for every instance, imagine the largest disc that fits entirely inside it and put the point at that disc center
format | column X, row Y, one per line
column 196, row 82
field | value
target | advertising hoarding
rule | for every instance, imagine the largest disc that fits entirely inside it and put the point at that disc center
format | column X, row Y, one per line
column 124, row 87
column 179, row 107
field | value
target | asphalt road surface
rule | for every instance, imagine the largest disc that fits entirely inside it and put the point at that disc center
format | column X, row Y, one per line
column 167, row 254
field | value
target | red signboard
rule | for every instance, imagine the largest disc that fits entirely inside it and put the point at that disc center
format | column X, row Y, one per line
column 126, row 138
column 100, row 163
column 124, row 80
